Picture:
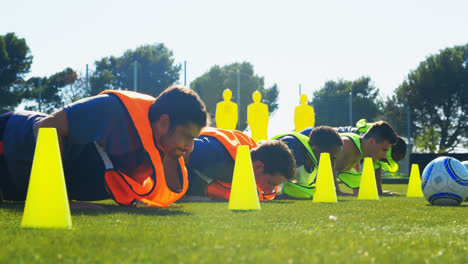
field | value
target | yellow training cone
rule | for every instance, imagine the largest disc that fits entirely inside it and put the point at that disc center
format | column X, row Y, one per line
column 47, row 201
column 325, row 190
column 244, row 189
column 414, row 185
column 368, row 187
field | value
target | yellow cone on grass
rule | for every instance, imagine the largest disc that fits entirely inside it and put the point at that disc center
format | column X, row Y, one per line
column 244, row 189
column 47, row 202
column 368, row 186
column 414, row 185
column 325, row 190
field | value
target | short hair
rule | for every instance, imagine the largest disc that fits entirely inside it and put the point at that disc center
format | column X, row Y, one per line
column 399, row 149
column 276, row 157
column 324, row 137
column 381, row 131
column 182, row 105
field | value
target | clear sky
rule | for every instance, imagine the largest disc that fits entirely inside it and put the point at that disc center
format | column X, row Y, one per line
column 288, row 42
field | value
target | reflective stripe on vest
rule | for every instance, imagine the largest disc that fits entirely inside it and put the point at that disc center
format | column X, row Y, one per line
column 230, row 139
column 154, row 190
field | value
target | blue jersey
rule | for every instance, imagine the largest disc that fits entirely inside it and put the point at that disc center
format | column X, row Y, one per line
column 102, row 119
column 211, row 159
column 296, row 147
column 345, row 129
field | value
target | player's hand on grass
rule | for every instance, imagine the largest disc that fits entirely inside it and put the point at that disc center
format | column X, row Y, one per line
column 388, row 193
column 81, row 205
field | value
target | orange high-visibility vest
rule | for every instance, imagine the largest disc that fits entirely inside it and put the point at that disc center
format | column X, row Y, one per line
column 230, row 139
column 154, row 190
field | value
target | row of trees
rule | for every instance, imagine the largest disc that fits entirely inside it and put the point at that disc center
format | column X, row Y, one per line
column 15, row 63
column 436, row 92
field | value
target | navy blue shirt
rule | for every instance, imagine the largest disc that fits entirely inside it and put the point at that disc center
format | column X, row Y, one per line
column 209, row 158
column 101, row 118
column 104, row 119
column 345, row 129
column 296, row 147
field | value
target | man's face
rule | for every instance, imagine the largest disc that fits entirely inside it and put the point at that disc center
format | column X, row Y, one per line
column 180, row 140
column 267, row 182
column 379, row 150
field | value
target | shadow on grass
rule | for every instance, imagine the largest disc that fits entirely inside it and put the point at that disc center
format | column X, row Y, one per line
column 211, row 201
column 107, row 209
column 112, row 209
column 284, row 201
column 14, row 206
column 451, row 206
column 345, row 201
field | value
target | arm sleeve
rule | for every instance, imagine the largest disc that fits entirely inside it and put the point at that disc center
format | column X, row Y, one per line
column 206, row 151
column 101, row 118
column 210, row 158
column 306, row 131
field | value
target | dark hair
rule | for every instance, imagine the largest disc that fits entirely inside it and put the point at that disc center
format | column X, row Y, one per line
column 182, row 105
column 324, row 137
column 399, row 149
column 382, row 131
column 276, row 157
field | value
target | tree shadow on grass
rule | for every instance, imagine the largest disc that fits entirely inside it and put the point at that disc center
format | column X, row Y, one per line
column 108, row 209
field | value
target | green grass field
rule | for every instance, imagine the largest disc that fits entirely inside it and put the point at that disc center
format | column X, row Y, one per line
column 392, row 230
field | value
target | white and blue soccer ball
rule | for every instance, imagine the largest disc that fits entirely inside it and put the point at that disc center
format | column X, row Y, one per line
column 465, row 163
column 445, row 181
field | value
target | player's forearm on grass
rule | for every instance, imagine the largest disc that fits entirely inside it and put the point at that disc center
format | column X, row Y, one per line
column 335, row 179
column 57, row 120
column 378, row 179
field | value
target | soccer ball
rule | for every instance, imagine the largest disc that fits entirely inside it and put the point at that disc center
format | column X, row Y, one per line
column 465, row 163
column 445, row 181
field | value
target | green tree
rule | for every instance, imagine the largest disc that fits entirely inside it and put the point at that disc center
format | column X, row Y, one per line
column 50, row 90
column 437, row 93
column 331, row 102
column 155, row 70
column 210, row 87
column 396, row 114
column 15, row 62
column 428, row 139
column 74, row 91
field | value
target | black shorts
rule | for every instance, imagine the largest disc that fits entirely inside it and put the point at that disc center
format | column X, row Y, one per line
column 83, row 167
column 6, row 187
column 85, row 174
